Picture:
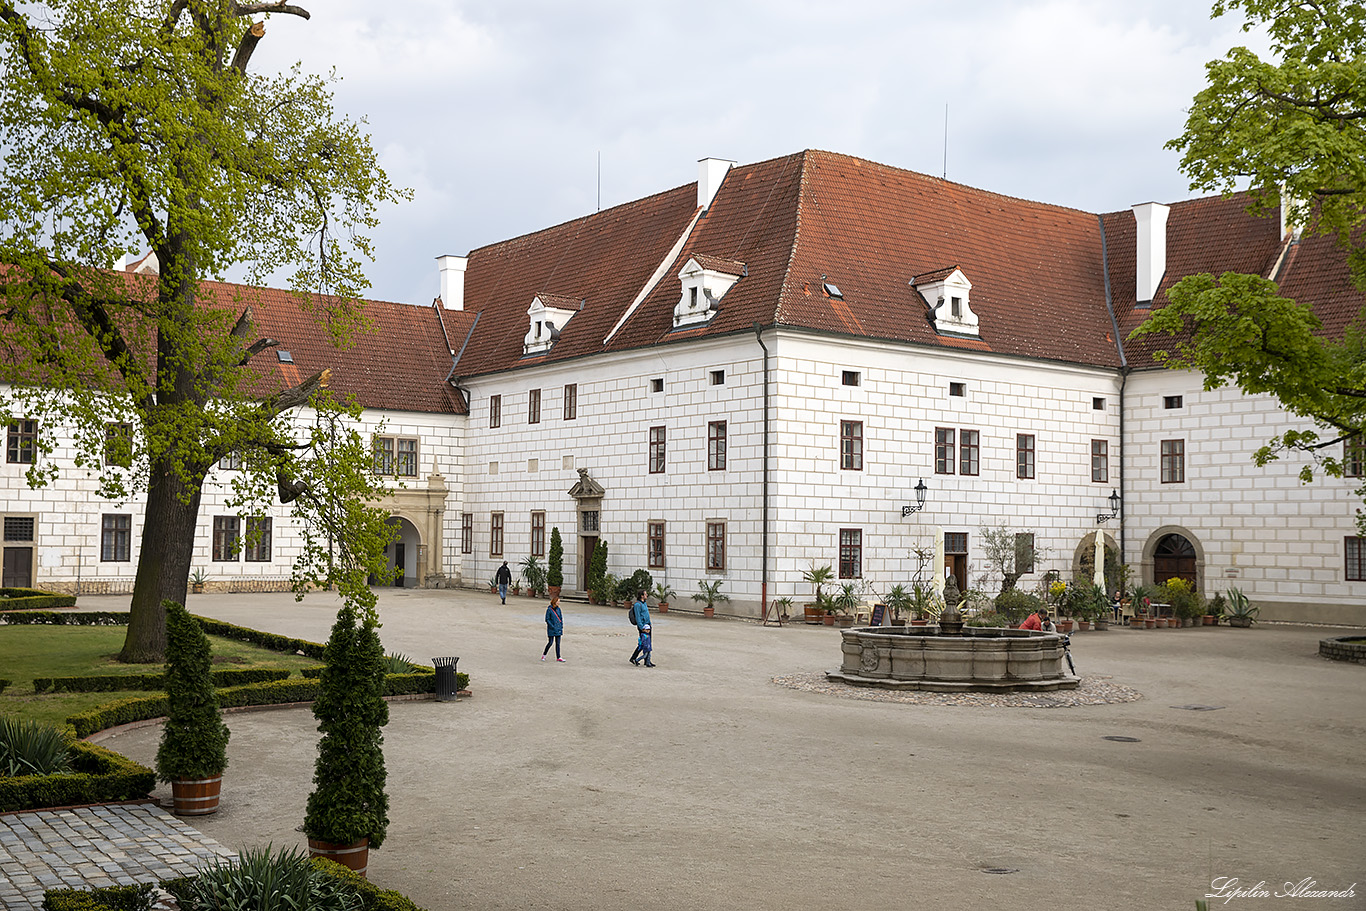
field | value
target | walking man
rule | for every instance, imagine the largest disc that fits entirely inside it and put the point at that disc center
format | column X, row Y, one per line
column 640, row 616
column 504, row 578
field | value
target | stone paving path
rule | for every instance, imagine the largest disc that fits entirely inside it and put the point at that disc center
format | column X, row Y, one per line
column 93, row 847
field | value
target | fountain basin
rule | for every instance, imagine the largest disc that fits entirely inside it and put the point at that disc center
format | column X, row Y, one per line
column 980, row 659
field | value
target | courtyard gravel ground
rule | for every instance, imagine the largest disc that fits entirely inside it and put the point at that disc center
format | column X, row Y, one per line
column 735, row 776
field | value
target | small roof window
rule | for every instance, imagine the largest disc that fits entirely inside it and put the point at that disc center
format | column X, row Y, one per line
column 832, row 289
column 284, row 356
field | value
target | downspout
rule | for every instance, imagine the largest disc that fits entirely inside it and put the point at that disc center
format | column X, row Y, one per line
column 1123, row 377
column 763, row 566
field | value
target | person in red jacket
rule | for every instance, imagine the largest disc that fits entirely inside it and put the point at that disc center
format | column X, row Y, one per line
column 1039, row 621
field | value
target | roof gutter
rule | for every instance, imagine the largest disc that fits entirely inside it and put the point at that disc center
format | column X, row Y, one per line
column 1123, row 376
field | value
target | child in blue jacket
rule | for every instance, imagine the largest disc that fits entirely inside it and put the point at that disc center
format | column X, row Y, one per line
column 554, row 628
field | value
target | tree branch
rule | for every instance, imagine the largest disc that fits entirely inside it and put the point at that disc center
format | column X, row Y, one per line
column 279, row 6
column 247, row 46
column 257, row 347
column 299, row 395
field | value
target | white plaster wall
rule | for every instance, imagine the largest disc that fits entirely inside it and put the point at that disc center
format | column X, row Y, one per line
column 1260, row 529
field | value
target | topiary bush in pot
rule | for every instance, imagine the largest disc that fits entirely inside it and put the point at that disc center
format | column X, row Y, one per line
column 554, row 574
column 194, row 741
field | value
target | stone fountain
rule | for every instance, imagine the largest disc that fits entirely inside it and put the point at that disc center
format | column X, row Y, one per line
column 951, row 658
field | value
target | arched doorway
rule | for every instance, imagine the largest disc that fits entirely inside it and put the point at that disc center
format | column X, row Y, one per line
column 1174, row 557
column 403, row 553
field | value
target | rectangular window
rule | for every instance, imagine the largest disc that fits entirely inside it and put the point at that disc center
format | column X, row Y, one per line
column 1171, row 401
column 495, row 411
column 467, row 532
column 588, row 519
column 22, row 446
column 655, row 557
column 1024, row 455
column 118, row 445
column 716, row 546
column 1098, row 403
column 718, row 377
column 538, row 534
column 716, row 446
column 958, row 389
column 405, row 458
column 231, row 462
column 19, row 528
column 116, row 539
column 1024, row 553
column 1173, row 461
column 969, row 452
column 657, row 384
column 533, row 407
column 1354, row 457
column 496, row 535
column 851, row 445
column 225, row 534
column 1356, row 558
column 955, row 542
column 1100, row 460
column 656, row 450
column 257, row 545
column 944, row 450
column 850, row 378
column 851, row 553
column 384, row 455
column 571, row 401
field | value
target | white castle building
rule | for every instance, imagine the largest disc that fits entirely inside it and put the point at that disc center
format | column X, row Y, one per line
column 737, row 378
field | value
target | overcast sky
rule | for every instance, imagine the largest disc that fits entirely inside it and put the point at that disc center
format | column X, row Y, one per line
column 494, row 112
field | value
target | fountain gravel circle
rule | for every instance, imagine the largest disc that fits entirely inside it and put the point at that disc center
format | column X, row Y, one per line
column 973, row 660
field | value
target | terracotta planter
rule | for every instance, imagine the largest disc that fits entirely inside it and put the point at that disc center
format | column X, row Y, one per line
column 1083, row 625
column 1064, row 626
column 1161, row 622
column 709, row 611
column 1136, row 623
column 1207, row 620
column 196, row 798
column 553, row 591
column 663, row 607
column 1102, row 624
column 1150, row 623
column 355, row 856
column 920, row 623
column 828, row 619
column 197, row 588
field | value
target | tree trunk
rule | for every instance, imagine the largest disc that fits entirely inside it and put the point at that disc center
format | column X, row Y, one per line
column 163, row 563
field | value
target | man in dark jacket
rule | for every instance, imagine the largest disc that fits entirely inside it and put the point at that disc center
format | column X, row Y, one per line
column 504, row 578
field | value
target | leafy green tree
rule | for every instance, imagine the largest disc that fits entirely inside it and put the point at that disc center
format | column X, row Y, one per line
column 134, row 124
column 1298, row 124
column 1010, row 555
column 597, row 570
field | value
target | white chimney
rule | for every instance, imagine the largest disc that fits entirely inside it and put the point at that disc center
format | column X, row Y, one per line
column 1152, row 248
column 452, row 281
column 710, row 173
column 1292, row 215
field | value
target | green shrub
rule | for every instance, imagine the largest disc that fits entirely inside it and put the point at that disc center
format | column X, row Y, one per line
column 372, row 897
column 990, row 619
column 32, row 748
column 114, row 683
column 597, row 568
column 33, row 599
column 97, row 775
column 271, row 641
column 1084, row 600
column 194, row 740
column 3, row 683
column 1015, row 605
column 111, row 898
column 262, row 881
column 65, row 618
column 397, row 664
column 554, row 574
column 348, row 802
column 638, row 581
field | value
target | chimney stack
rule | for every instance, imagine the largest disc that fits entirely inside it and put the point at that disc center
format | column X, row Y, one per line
column 711, row 171
column 1152, row 248
column 452, row 281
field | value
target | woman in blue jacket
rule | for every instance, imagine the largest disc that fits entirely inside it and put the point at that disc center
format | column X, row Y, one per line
column 554, row 628
column 640, row 616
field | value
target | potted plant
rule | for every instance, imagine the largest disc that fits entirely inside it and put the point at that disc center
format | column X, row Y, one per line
column 783, row 606
column 607, row 590
column 197, row 580
column 554, row 574
column 1214, row 610
column 194, row 741
column 709, row 593
column 899, row 602
column 663, row 592
column 926, row 604
column 535, row 575
column 597, row 568
column 846, row 604
column 817, row 576
column 348, row 811
column 1241, row 613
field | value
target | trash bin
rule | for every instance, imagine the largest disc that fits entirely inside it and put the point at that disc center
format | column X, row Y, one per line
column 445, row 678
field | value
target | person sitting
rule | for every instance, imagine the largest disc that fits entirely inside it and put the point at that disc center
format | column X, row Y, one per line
column 1039, row 621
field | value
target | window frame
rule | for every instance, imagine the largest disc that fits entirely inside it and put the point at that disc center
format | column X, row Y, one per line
column 850, row 553
column 533, row 406
column 1026, row 453
column 969, row 453
column 227, row 534
column 537, row 543
column 1173, row 461
column 1354, row 561
column 658, row 452
column 571, row 401
column 116, row 538
column 655, row 531
column 1100, row 461
column 21, row 443
column 1354, row 456
column 851, row 445
column 1172, row 402
column 496, row 528
column 495, row 411
column 945, row 450
column 257, row 543
column 716, row 445
column 467, row 532
column 716, row 546
column 851, row 378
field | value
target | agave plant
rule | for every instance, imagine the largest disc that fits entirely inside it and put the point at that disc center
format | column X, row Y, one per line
column 263, row 881
column 32, row 748
column 398, row 663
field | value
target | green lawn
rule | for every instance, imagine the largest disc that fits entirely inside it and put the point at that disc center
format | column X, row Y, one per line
column 27, row 652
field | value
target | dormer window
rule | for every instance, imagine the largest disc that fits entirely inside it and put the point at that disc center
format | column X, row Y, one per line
column 548, row 315
column 948, row 291
column 705, row 280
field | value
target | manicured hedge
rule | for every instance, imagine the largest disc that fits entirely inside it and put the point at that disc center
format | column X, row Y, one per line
column 373, row 898
column 112, row 683
column 271, row 641
column 273, row 693
column 65, row 618
column 98, row 775
column 33, row 599
column 112, row 898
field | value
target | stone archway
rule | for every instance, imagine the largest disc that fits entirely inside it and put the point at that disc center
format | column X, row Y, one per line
column 421, row 513
column 1173, row 552
column 1084, row 557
